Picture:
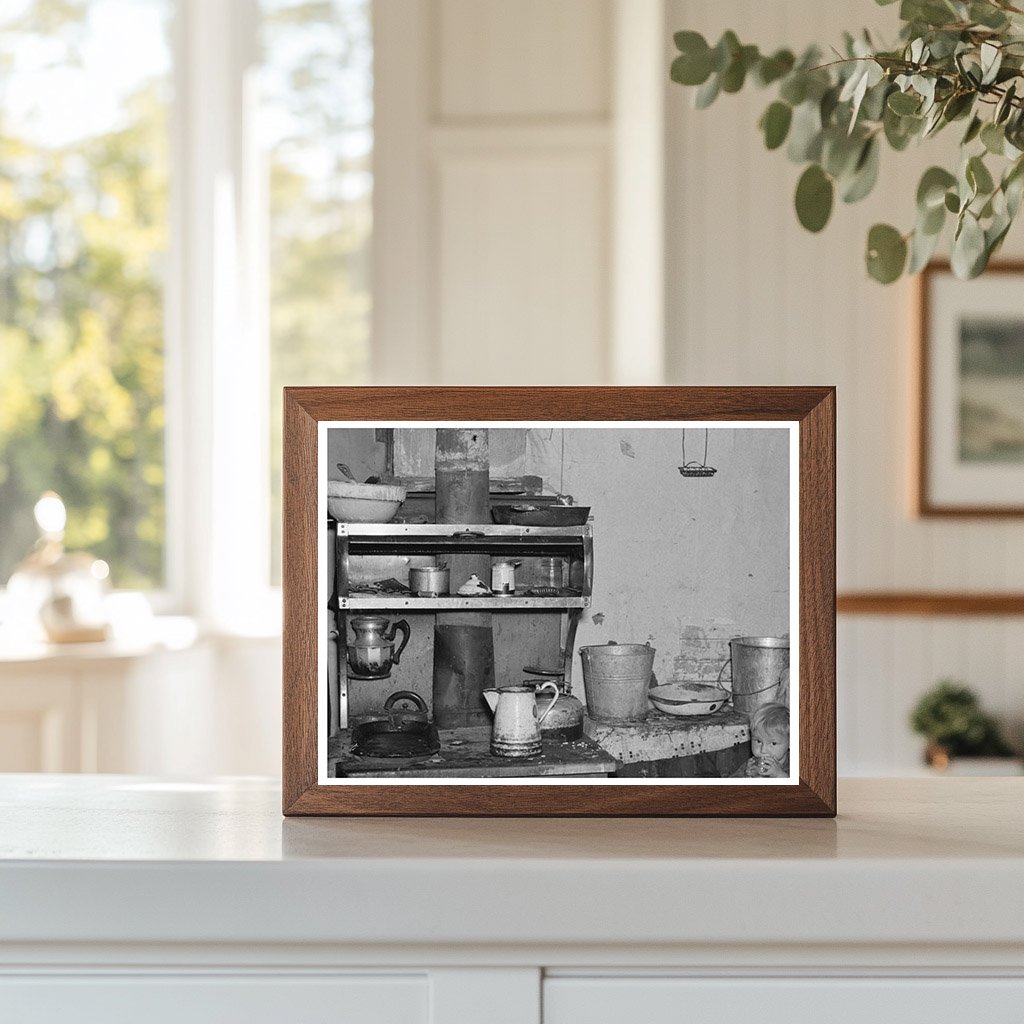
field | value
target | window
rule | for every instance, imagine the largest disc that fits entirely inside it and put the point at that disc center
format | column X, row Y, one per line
column 317, row 118
column 199, row 164
column 83, row 236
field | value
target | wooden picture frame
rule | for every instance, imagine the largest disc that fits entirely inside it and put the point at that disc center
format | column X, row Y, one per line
column 963, row 437
column 807, row 413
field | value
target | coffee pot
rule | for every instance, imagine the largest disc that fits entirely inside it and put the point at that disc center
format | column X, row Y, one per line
column 516, row 728
column 372, row 653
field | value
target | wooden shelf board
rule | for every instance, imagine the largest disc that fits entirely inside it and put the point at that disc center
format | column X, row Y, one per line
column 912, row 603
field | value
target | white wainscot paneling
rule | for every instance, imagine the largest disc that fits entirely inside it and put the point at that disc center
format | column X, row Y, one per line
column 886, row 663
column 523, row 279
column 752, row 298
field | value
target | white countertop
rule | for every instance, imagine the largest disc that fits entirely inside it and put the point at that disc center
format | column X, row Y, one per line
column 122, row 859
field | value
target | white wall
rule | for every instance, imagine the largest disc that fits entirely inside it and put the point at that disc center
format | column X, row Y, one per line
column 754, row 299
column 684, row 563
column 505, row 148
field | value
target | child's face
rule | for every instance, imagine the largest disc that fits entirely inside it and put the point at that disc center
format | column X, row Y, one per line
column 763, row 745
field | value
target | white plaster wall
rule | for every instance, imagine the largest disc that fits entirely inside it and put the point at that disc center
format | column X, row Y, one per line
column 684, row 563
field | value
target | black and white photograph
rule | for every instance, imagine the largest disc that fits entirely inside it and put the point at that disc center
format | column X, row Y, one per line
column 558, row 602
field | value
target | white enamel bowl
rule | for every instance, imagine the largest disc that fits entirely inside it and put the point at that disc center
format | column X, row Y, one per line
column 363, row 503
column 684, row 699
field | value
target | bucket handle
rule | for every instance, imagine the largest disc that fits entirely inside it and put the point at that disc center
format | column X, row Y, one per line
column 718, row 681
column 728, row 689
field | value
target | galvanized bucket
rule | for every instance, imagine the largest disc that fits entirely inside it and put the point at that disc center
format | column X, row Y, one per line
column 616, row 678
column 758, row 664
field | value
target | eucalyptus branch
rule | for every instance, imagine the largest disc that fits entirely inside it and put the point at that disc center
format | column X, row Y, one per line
column 834, row 116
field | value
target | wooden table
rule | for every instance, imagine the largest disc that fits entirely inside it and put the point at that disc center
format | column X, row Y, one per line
column 466, row 754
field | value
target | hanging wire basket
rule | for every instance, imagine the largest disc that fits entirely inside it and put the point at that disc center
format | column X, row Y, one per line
column 694, row 468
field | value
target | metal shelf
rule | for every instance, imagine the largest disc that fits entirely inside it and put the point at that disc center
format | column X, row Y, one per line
column 458, row 531
column 383, row 602
column 379, row 538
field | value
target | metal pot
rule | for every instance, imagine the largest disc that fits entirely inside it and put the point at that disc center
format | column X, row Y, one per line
column 428, row 580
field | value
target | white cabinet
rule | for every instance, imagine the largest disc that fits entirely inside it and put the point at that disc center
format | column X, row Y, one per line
column 823, row 1000
column 130, row 898
column 206, row 999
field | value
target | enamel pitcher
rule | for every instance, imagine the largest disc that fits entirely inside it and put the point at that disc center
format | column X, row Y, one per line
column 516, row 729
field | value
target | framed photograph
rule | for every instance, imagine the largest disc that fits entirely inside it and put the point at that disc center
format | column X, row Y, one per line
column 970, row 451
column 559, row 601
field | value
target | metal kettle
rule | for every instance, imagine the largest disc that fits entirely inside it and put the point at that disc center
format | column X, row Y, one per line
column 565, row 719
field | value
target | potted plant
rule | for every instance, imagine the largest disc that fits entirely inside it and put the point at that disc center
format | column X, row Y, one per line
column 949, row 716
column 956, row 62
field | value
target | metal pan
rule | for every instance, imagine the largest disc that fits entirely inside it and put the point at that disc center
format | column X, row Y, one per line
column 540, row 515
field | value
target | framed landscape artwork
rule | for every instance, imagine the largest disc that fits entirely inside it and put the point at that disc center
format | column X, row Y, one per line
column 559, row 601
column 970, row 451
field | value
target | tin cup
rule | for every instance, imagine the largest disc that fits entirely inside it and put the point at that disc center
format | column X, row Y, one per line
column 503, row 577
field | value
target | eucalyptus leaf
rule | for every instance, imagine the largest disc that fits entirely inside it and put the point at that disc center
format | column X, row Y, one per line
column 993, row 138
column 931, row 190
column 933, row 122
column 805, row 133
column 865, row 173
column 903, row 103
column 827, row 106
column 814, row 195
column 840, row 152
column 978, row 176
column 1005, row 105
column 973, row 129
column 735, row 74
column 794, row 88
column 707, row 93
column 995, row 233
column 925, row 88
column 900, row 130
column 775, row 124
column 771, row 69
column 932, row 221
column 958, row 105
column 922, row 248
column 991, row 60
column 987, row 15
column 724, row 51
column 968, row 247
column 1014, row 192
column 886, row 253
column 873, row 106
column 952, row 202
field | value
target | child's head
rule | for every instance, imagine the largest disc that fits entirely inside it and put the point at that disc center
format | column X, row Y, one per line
column 769, row 731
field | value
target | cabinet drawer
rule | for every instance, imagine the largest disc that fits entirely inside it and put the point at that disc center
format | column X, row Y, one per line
column 224, row 999
column 670, row 1000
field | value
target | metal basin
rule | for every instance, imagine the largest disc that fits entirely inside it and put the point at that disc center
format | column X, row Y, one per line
column 397, row 734
column 387, row 738
column 683, row 700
